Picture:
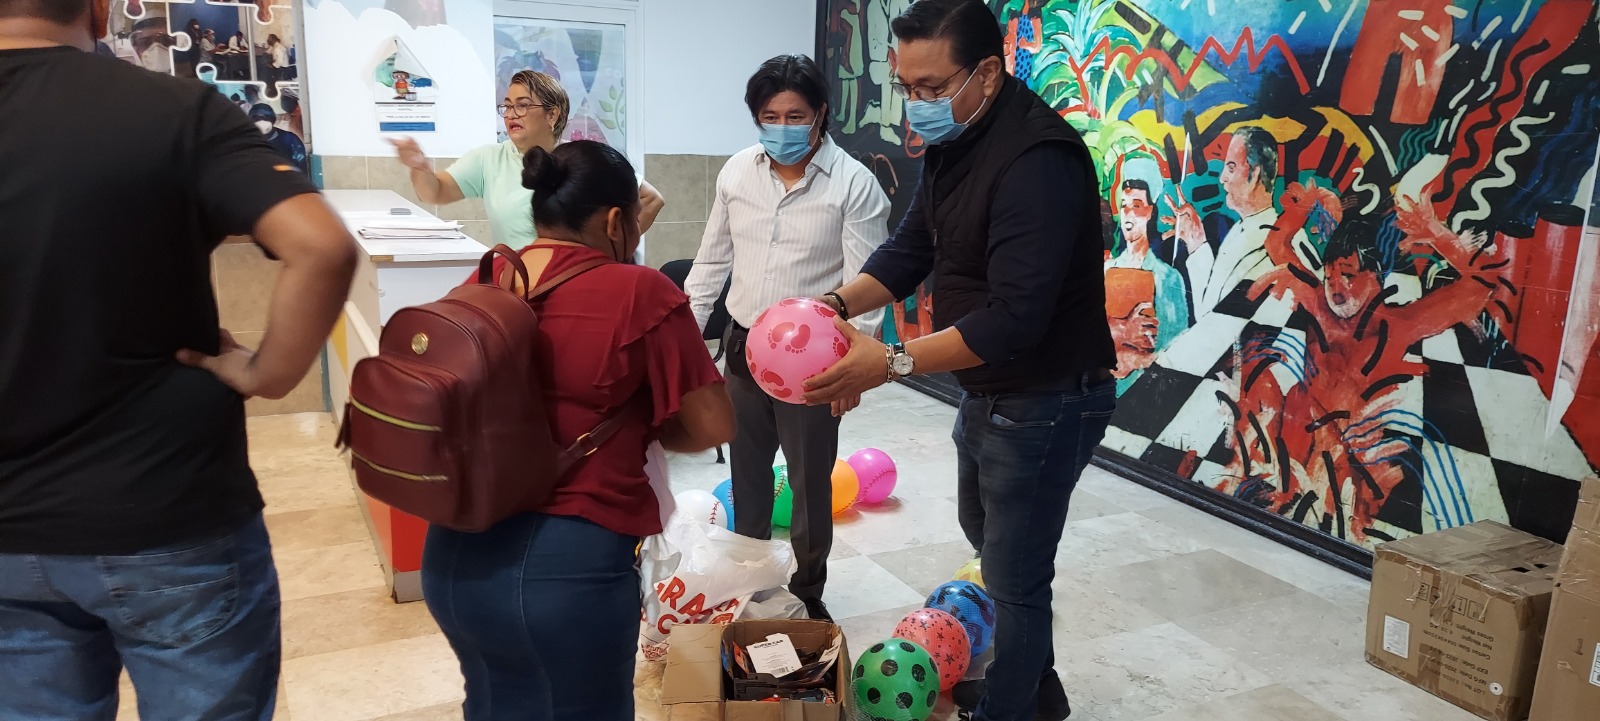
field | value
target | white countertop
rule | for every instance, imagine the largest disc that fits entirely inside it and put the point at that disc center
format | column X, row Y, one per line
column 357, row 207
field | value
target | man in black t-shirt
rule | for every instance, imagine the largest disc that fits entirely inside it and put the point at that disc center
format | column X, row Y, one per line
column 130, row 523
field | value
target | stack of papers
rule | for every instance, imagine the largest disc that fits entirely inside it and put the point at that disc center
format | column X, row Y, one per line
column 402, row 228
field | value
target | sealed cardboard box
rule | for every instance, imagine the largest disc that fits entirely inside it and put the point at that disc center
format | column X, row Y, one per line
column 1461, row 613
column 695, row 685
column 1569, row 670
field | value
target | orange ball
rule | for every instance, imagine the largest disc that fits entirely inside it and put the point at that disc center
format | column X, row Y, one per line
column 845, row 487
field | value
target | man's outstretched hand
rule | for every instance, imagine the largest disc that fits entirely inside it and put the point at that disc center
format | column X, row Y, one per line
column 864, row 367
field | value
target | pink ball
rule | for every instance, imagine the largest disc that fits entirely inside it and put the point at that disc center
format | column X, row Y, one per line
column 945, row 640
column 876, row 472
column 791, row 342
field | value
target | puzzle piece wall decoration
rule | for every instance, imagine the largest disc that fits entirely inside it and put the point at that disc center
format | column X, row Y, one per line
column 246, row 50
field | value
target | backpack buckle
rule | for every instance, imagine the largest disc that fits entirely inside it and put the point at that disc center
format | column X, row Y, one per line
column 585, row 446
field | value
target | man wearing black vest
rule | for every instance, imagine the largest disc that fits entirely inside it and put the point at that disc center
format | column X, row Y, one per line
column 1007, row 214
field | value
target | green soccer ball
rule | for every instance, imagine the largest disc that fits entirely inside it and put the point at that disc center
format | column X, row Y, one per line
column 782, row 498
column 896, row 680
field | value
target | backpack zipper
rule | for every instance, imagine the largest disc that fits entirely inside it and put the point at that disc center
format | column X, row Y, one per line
column 391, row 420
column 402, row 475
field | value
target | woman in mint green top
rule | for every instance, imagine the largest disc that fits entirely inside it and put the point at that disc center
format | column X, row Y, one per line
column 535, row 113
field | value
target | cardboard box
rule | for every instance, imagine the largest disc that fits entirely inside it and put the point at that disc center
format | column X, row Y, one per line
column 1569, row 670
column 1461, row 614
column 692, row 686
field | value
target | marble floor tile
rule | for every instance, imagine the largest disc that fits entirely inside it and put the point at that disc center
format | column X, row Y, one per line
column 1193, row 584
column 1135, row 675
column 442, row 712
column 307, row 572
column 1121, row 491
column 295, row 490
column 1085, row 609
column 372, row 682
column 350, row 619
column 863, row 630
column 1251, row 548
column 1356, row 691
column 1108, row 542
column 1272, row 703
column 316, row 528
column 859, row 586
column 1087, row 504
column 910, row 523
column 925, row 567
column 1283, row 637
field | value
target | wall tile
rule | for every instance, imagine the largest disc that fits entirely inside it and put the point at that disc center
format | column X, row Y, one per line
column 389, row 174
column 672, row 241
column 344, row 172
column 682, row 180
column 463, row 210
column 244, row 279
column 305, row 398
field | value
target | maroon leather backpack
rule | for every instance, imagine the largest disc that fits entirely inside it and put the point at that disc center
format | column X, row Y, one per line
column 447, row 422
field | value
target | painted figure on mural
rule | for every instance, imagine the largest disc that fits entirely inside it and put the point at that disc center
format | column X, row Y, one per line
column 1136, row 221
column 1024, row 33
column 1356, row 366
column 845, row 25
column 1249, row 175
column 888, row 111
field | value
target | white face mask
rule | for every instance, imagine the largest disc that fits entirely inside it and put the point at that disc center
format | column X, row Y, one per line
column 264, row 126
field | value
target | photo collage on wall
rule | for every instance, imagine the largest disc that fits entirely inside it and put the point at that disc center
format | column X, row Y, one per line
column 247, row 51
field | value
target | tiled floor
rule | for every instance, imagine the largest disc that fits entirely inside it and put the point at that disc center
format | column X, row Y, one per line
column 1163, row 613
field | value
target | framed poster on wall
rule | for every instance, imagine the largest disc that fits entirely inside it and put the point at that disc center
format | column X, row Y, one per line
column 594, row 51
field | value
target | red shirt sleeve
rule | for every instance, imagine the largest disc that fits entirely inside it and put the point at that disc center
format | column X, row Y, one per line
column 676, row 363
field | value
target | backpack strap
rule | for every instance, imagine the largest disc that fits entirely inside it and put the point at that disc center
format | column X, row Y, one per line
column 570, row 273
column 589, row 442
column 486, row 265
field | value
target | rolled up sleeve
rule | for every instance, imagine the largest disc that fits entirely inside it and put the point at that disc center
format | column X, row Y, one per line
column 1031, row 245
column 902, row 263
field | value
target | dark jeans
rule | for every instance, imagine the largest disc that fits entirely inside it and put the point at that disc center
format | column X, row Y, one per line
column 809, row 437
column 1019, row 456
column 196, row 625
column 543, row 613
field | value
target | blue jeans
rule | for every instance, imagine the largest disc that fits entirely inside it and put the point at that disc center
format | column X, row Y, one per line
column 1019, row 455
column 543, row 613
column 195, row 624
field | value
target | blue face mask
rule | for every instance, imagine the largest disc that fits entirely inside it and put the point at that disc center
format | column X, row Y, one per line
column 786, row 144
column 935, row 120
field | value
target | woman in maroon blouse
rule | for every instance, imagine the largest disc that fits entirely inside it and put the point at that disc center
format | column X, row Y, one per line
column 543, row 609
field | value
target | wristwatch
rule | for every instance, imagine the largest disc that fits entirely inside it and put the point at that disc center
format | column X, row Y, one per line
column 901, row 364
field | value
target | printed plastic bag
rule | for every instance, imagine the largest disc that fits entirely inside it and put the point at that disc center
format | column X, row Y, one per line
column 694, row 572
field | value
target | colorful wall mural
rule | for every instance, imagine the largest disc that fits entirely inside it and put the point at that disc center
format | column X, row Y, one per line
column 1350, row 244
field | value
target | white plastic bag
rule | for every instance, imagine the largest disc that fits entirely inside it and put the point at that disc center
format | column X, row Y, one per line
column 694, row 572
column 776, row 603
column 655, row 468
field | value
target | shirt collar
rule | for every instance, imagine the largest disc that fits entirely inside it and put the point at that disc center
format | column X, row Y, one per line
column 825, row 161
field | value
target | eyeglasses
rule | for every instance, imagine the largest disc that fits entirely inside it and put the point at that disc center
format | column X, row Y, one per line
column 517, row 110
column 927, row 92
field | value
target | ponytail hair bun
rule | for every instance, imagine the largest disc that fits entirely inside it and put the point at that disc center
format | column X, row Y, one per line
column 542, row 173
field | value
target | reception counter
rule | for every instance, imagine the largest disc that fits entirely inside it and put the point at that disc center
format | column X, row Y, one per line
column 392, row 274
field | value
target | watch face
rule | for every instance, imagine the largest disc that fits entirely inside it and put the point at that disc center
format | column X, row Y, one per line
column 903, row 365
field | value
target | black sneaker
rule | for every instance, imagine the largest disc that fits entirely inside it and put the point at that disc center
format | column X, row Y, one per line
column 817, row 610
column 1053, row 704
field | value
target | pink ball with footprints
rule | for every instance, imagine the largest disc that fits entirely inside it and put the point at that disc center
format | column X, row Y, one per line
column 877, row 475
column 791, row 342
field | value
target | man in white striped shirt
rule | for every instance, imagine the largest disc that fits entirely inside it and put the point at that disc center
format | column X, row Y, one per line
column 794, row 216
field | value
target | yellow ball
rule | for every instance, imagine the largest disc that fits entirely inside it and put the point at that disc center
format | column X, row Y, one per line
column 973, row 572
column 845, row 487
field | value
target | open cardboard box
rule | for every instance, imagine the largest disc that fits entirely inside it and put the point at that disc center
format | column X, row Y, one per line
column 692, row 687
column 1569, row 671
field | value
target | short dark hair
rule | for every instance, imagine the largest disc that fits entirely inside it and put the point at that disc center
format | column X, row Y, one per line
column 972, row 30
column 57, row 11
column 576, row 180
column 1136, row 184
column 788, row 72
column 1356, row 236
column 1261, row 152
